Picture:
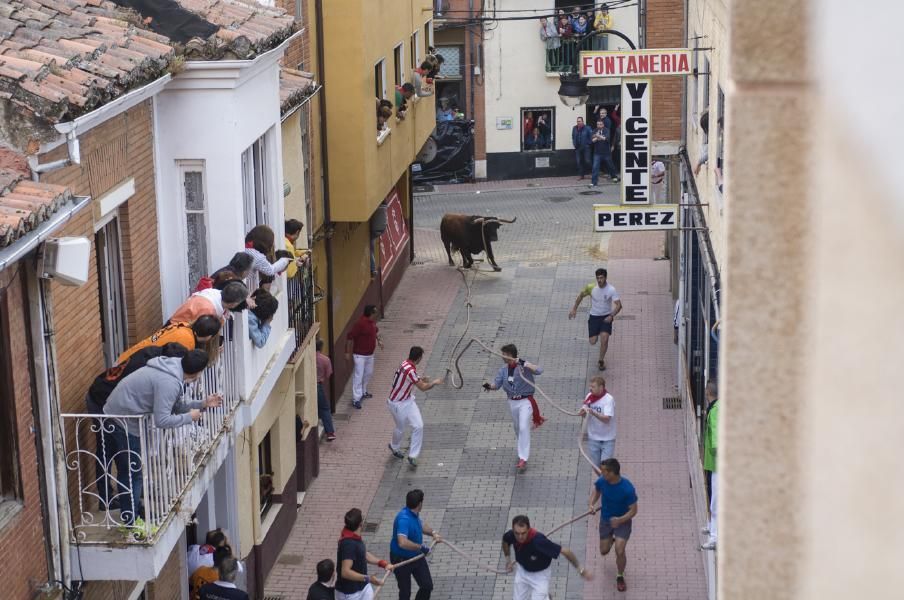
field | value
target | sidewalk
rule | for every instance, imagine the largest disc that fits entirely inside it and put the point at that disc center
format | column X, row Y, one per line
column 513, row 184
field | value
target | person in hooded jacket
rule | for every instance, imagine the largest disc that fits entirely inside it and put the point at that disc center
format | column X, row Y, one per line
column 156, row 390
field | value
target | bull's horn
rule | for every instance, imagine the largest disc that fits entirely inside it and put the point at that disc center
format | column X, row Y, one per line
column 506, row 221
column 479, row 220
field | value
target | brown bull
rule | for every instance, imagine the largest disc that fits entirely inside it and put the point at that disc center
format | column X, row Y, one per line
column 470, row 234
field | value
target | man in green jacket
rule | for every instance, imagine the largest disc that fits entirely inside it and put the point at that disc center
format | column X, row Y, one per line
column 710, row 444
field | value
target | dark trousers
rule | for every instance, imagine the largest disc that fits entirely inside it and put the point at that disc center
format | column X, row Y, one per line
column 103, row 461
column 603, row 158
column 420, row 570
column 323, row 410
column 127, row 456
column 582, row 157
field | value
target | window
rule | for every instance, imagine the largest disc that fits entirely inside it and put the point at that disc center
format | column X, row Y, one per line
column 428, row 33
column 10, row 488
column 398, row 65
column 265, row 474
column 537, row 129
column 194, row 203
column 705, row 108
column 415, row 50
column 720, row 137
column 380, row 79
column 692, row 89
column 304, row 119
column 255, row 174
column 453, row 61
column 112, row 295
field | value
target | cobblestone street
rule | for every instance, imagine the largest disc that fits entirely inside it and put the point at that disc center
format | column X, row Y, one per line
column 467, row 466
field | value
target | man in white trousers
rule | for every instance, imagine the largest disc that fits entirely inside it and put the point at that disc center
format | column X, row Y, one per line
column 710, row 444
column 516, row 379
column 402, row 407
column 534, row 554
column 360, row 344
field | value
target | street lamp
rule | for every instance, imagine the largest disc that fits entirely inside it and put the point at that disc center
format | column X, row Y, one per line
column 573, row 90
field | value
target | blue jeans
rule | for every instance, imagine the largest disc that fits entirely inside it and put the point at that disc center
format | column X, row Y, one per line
column 582, row 156
column 600, row 450
column 127, row 456
column 323, row 410
column 605, row 158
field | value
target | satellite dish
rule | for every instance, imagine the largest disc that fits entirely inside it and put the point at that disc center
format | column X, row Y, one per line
column 428, row 152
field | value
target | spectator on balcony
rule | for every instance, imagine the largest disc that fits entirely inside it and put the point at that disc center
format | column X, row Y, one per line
column 324, row 411
column 580, row 27
column 550, row 34
column 260, row 316
column 444, row 113
column 436, row 63
column 202, row 555
column 237, row 269
column 205, row 573
column 565, row 29
column 301, row 256
column 155, row 389
column 602, row 153
column 602, row 22
column 534, row 141
column 581, row 140
column 212, row 302
column 189, row 335
column 360, row 345
column 224, row 588
column 260, row 244
column 403, row 94
column 321, row 589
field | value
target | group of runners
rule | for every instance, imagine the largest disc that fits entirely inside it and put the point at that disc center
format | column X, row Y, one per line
column 613, row 495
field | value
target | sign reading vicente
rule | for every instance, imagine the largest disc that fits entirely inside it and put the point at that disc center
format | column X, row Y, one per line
column 636, row 63
column 636, row 141
column 611, row 218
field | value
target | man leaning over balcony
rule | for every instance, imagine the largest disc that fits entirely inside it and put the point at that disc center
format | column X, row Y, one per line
column 155, row 389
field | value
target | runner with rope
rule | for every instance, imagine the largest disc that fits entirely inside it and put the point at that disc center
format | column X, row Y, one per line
column 352, row 558
column 516, row 379
column 534, row 554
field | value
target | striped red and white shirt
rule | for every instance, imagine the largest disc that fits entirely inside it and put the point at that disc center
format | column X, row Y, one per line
column 405, row 378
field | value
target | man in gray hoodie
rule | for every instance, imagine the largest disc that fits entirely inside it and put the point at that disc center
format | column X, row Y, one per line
column 155, row 389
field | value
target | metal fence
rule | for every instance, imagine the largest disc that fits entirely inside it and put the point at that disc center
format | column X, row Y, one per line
column 113, row 476
column 564, row 59
column 300, row 291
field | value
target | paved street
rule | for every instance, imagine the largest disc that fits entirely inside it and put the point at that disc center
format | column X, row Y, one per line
column 467, row 466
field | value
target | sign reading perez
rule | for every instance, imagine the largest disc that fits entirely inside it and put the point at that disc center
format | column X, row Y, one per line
column 636, row 63
column 635, row 218
column 635, row 143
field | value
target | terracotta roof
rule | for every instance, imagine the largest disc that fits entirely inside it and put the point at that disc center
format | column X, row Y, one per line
column 24, row 204
column 294, row 87
column 62, row 58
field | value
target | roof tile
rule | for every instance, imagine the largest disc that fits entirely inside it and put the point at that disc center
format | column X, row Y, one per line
column 24, row 204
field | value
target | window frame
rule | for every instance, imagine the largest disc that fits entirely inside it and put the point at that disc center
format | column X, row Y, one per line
column 265, row 467
column 398, row 63
column 428, row 34
column 694, row 99
column 256, row 191
column 10, row 467
column 380, row 78
column 415, row 45
column 552, row 127
column 111, row 287
column 706, row 96
column 194, row 166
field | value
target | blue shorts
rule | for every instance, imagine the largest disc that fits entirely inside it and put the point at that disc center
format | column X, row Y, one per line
column 623, row 531
column 597, row 325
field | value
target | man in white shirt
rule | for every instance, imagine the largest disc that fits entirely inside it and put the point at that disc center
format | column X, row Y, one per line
column 599, row 407
column 604, row 305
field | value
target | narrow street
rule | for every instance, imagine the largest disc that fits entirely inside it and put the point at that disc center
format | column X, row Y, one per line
column 467, row 466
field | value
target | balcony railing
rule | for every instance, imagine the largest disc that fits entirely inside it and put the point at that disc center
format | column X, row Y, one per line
column 300, row 290
column 564, row 59
column 112, row 475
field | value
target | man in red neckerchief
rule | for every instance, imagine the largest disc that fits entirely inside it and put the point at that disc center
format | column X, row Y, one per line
column 352, row 558
column 360, row 344
column 599, row 407
column 534, row 554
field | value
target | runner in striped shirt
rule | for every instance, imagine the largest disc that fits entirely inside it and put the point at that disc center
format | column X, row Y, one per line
column 403, row 408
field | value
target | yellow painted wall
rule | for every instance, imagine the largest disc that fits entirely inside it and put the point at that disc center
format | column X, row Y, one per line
column 357, row 34
column 293, row 172
column 306, row 385
column 351, row 268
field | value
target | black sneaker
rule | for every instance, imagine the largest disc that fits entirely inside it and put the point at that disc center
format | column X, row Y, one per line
column 368, row 395
column 395, row 453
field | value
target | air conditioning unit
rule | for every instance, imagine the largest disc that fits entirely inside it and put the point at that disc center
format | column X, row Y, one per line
column 67, row 260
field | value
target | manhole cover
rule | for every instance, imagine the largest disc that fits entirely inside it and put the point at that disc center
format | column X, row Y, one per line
column 370, row 527
column 274, row 598
column 591, row 193
column 290, row 559
column 419, row 261
column 673, row 403
column 558, row 198
column 420, row 325
column 533, row 185
column 536, row 265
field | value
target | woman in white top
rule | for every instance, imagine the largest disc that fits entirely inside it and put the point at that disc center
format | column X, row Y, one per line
column 259, row 244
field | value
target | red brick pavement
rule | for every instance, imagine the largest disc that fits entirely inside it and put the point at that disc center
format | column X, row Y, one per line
column 352, row 466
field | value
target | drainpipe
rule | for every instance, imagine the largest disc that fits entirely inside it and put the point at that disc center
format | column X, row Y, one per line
column 74, row 156
column 324, row 157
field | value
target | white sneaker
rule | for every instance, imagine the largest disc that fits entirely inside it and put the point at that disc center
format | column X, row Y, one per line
column 704, row 530
column 709, row 544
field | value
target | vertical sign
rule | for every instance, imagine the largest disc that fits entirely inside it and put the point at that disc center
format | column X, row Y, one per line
column 394, row 238
column 635, row 141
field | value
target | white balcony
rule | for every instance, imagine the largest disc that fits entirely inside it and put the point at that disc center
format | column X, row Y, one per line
column 172, row 469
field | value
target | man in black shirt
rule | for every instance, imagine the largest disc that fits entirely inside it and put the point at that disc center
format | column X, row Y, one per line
column 533, row 555
column 352, row 557
column 224, row 588
column 321, row 589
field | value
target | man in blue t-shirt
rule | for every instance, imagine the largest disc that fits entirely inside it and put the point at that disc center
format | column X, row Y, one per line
column 407, row 542
column 534, row 554
column 352, row 557
column 618, row 508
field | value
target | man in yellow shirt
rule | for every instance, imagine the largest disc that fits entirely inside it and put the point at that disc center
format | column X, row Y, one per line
column 293, row 232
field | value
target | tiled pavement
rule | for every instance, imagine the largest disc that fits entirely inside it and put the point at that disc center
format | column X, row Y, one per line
column 467, row 467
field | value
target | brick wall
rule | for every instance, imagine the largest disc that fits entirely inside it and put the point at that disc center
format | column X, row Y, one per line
column 76, row 310
column 665, row 29
column 173, row 576
column 22, row 538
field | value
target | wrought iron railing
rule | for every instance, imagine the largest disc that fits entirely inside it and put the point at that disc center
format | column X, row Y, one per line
column 124, row 487
column 301, row 294
column 564, row 59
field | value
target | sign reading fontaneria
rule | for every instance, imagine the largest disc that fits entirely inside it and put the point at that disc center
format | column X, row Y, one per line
column 636, row 63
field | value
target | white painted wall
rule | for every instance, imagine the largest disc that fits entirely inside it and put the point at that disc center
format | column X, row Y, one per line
column 212, row 112
column 516, row 77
